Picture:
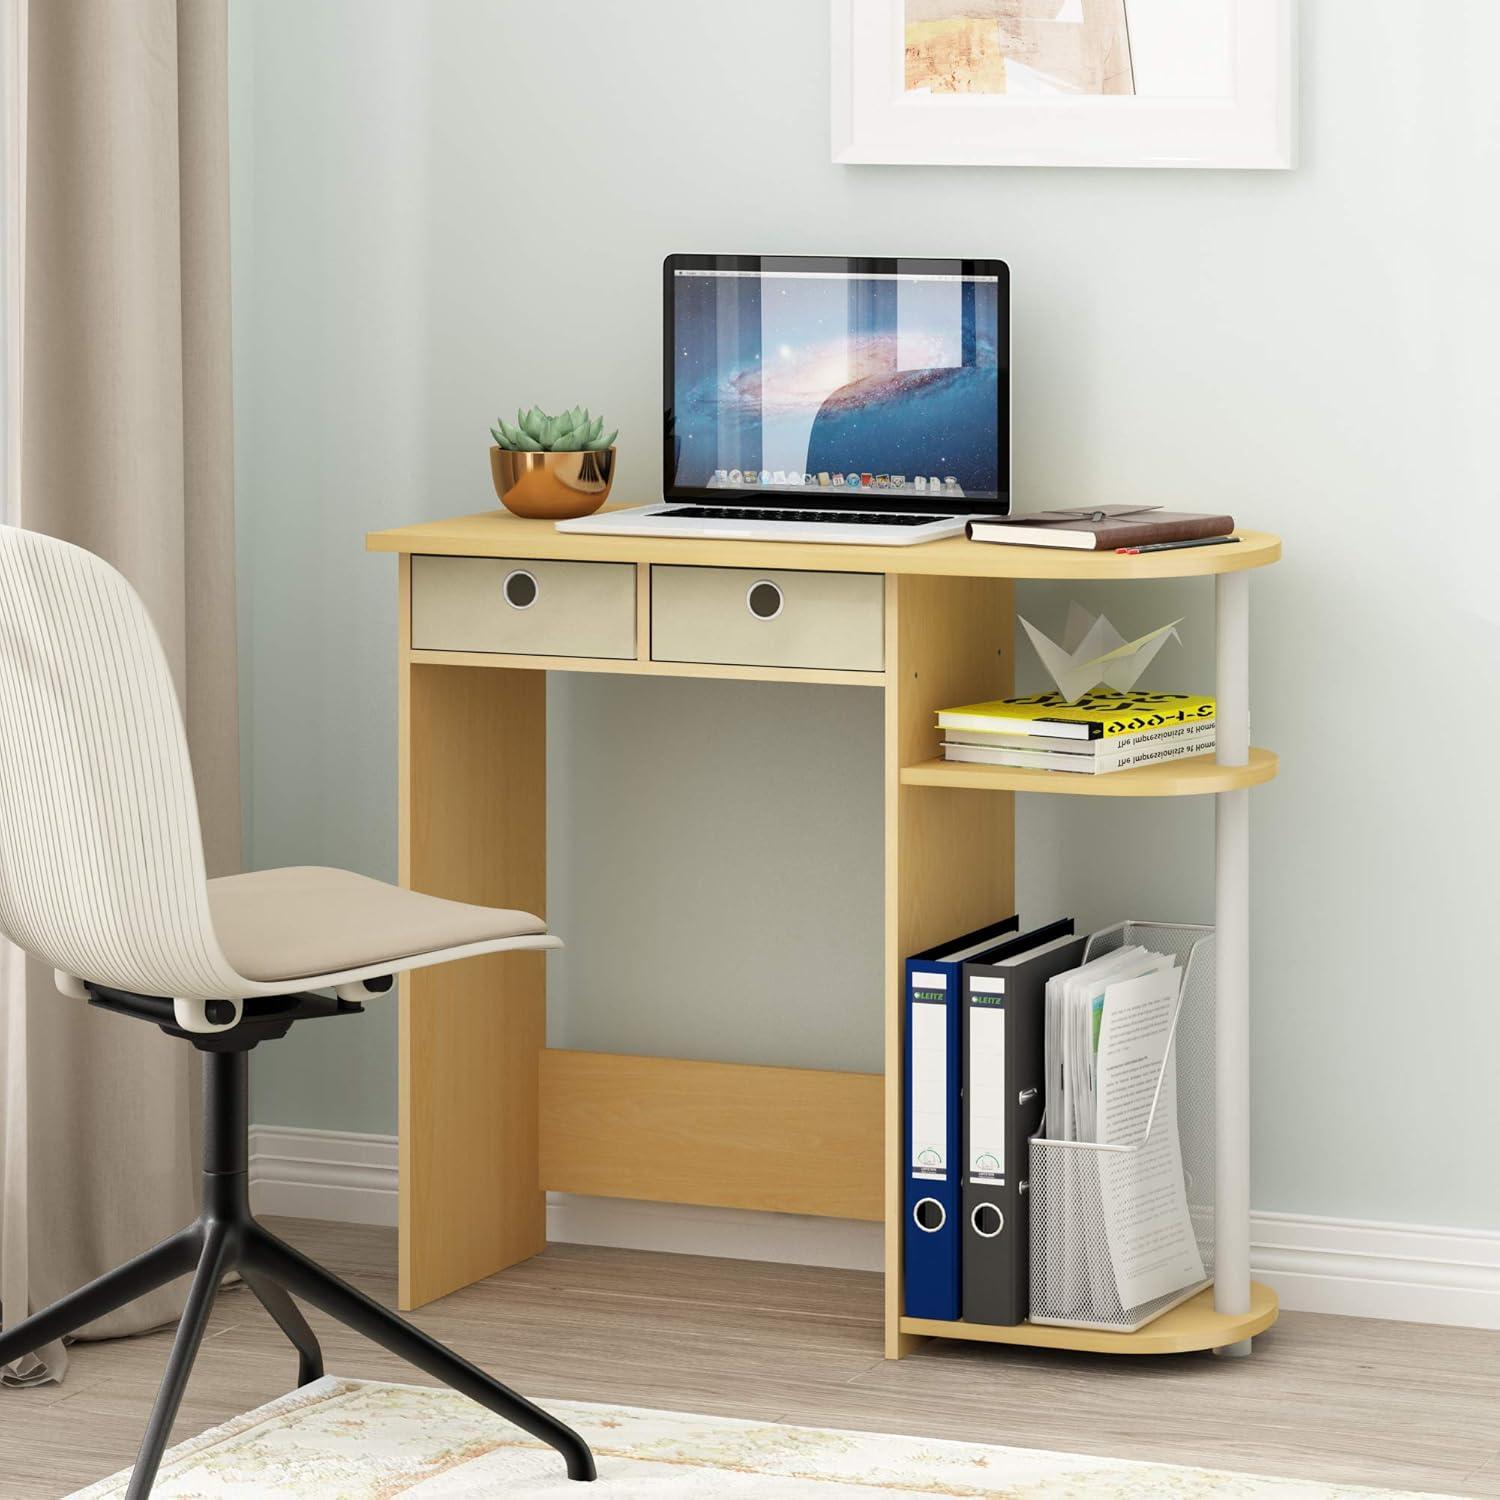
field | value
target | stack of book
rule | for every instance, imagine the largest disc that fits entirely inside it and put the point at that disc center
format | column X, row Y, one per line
column 1101, row 732
column 1104, row 528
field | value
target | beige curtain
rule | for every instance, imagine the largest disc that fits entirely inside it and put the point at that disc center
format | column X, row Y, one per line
column 125, row 448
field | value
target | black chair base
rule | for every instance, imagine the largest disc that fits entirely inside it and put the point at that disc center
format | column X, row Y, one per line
column 227, row 1238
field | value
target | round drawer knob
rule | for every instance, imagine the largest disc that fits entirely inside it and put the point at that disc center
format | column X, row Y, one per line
column 929, row 1214
column 987, row 1220
column 764, row 600
column 520, row 589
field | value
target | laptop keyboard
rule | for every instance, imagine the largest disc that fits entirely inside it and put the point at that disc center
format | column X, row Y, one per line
column 820, row 517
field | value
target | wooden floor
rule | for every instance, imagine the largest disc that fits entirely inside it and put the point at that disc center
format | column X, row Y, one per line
column 1393, row 1404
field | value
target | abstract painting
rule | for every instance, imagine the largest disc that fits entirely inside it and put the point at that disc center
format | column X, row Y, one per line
column 1163, row 83
column 1018, row 47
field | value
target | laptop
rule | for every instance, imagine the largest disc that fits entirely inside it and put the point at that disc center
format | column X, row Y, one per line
column 818, row 398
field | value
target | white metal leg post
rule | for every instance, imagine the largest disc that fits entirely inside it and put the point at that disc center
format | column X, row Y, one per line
column 1232, row 958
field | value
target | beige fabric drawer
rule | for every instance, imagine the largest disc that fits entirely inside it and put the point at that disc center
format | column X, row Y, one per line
column 523, row 606
column 768, row 618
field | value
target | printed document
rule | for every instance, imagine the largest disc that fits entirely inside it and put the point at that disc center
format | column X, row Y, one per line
column 1151, row 1242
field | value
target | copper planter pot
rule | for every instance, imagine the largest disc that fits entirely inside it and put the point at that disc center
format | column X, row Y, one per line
column 552, row 486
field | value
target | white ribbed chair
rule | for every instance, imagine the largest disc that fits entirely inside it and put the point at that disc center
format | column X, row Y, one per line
column 102, row 878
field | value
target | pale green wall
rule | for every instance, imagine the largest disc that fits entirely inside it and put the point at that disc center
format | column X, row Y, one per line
column 443, row 210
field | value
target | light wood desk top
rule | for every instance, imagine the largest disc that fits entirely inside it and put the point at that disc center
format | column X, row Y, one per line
column 500, row 534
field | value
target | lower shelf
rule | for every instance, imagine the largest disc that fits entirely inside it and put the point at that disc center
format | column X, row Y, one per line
column 1194, row 1325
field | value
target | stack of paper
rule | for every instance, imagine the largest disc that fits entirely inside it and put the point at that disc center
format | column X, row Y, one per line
column 1111, row 1083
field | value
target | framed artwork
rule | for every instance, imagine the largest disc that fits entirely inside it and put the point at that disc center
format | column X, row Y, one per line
column 1065, row 83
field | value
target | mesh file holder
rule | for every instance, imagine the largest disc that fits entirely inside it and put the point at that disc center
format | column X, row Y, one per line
column 1071, row 1284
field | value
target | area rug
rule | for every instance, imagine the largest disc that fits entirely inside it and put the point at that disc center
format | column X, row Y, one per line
column 365, row 1440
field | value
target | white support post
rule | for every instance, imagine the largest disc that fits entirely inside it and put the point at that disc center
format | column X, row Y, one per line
column 1232, row 958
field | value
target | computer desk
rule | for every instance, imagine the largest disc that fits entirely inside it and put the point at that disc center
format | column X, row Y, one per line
column 491, row 1118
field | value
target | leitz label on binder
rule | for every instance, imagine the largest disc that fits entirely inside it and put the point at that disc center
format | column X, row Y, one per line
column 986, row 1085
column 986, row 991
column 929, row 1079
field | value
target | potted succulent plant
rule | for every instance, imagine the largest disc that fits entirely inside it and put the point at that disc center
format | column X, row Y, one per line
column 552, row 468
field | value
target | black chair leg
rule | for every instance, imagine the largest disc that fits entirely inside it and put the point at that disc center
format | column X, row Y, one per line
column 291, row 1322
column 217, row 1258
column 165, row 1262
column 227, row 1238
column 264, row 1253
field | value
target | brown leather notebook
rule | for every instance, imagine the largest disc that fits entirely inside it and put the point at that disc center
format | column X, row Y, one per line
column 1101, row 528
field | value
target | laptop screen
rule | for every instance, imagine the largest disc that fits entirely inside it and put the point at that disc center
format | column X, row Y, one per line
column 827, row 383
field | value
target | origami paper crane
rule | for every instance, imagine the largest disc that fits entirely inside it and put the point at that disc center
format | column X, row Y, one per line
column 1093, row 652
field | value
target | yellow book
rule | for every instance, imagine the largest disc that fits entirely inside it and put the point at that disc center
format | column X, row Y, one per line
column 1096, row 716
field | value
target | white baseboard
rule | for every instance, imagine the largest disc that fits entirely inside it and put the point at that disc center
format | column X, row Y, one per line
column 1401, row 1271
column 338, row 1175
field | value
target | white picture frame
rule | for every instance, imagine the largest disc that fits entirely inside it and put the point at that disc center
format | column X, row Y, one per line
column 1247, row 120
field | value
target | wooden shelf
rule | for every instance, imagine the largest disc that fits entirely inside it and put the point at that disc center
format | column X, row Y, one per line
column 1193, row 1326
column 500, row 534
column 1197, row 776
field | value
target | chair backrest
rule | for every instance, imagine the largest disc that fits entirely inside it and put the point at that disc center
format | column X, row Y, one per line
column 101, row 855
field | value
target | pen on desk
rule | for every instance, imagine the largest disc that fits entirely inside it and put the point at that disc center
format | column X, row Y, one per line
column 1202, row 541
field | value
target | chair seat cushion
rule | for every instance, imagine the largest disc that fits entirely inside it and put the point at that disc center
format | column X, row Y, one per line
column 300, row 923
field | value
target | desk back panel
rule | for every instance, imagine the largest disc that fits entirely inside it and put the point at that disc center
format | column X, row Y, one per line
column 791, row 1140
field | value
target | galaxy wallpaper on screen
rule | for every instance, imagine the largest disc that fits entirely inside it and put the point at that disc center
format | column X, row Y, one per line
column 870, row 382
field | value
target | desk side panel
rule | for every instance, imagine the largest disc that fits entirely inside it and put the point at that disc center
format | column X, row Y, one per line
column 473, row 829
column 949, row 858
